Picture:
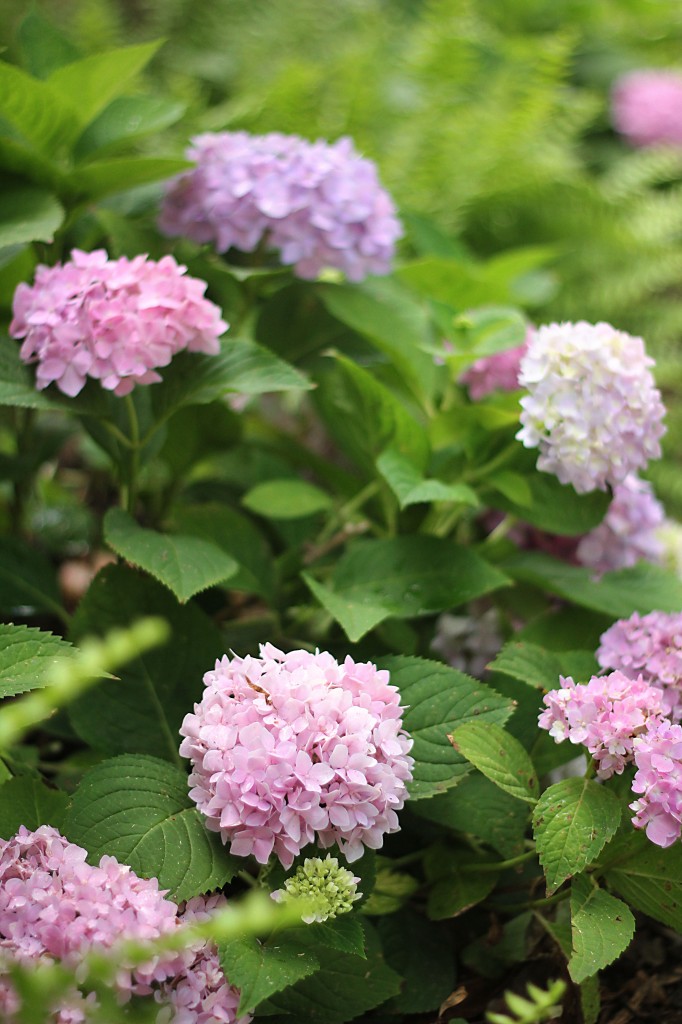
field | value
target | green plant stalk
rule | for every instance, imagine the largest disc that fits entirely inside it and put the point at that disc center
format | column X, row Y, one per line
column 129, row 488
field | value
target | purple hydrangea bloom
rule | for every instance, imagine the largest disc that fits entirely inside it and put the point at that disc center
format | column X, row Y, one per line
column 646, row 107
column 114, row 320
column 658, row 756
column 291, row 747
column 319, row 204
column 628, row 532
column 592, row 408
column 499, row 372
column 649, row 646
column 603, row 715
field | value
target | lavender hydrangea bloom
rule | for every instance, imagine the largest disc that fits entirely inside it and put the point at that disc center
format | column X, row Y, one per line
column 499, row 372
column 592, row 408
column 646, row 107
column 291, row 747
column 649, row 646
column 319, row 204
column 114, row 320
column 658, row 756
column 628, row 532
column 603, row 715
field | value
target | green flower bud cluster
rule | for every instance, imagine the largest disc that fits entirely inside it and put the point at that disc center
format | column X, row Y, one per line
column 329, row 888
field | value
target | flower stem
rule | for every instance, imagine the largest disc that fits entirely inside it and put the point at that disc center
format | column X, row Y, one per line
column 129, row 489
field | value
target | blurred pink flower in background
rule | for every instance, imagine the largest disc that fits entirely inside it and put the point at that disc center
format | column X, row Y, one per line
column 646, row 107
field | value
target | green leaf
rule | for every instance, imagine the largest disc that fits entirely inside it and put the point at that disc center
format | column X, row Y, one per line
column 411, row 487
column 477, row 807
column 137, row 809
column 126, row 118
column 35, row 110
column 439, row 699
column 538, row 667
column 499, row 757
column 242, row 366
column 28, row 214
column 186, row 565
column 17, row 381
column 344, row 933
column 27, row 578
column 391, row 890
column 457, row 892
column 389, row 317
column 553, row 507
column 26, row 657
column 89, row 84
column 648, row 877
column 286, row 499
column 43, row 47
column 403, row 577
column 26, row 801
column 514, row 487
column 345, row 987
column 572, row 822
column 602, row 928
column 142, row 710
column 107, row 177
column 366, row 418
column 259, row 969
column 644, row 588
column 423, row 954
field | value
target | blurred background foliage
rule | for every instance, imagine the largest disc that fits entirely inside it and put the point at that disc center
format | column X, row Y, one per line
column 489, row 122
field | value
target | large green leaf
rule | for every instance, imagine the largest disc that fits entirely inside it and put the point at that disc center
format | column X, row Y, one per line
column 43, row 47
column 126, row 118
column 27, row 578
column 411, row 487
column 27, row 801
column 602, row 928
column 26, row 657
column 403, row 577
column 35, row 110
column 457, row 892
column 142, row 710
column 366, row 418
column 648, row 877
column 437, row 700
column 644, row 588
column 259, row 969
column 137, row 809
column 422, row 953
column 554, row 507
column 107, row 177
column 184, row 564
column 27, row 214
column 535, row 666
column 17, row 381
column 89, row 84
column 498, row 756
column 572, row 822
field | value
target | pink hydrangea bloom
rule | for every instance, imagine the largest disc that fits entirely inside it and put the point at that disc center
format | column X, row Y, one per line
column 649, row 646
column 54, row 905
column 115, row 320
column 628, row 532
column 200, row 993
column 291, row 747
column 592, row 408
column 646, row 107
column 319, row 204
column 658, row 756
column 603, row 715
column 499, row 372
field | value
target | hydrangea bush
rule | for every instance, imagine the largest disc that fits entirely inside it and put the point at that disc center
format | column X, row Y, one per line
column 409, row 564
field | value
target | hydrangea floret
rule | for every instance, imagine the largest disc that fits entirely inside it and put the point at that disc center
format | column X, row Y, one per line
column 603, row 715
column 291, row 748
column 592, row 408
column 329, row 888
column 649, row 647
column 629, row 531
column 319, row 204
column 498, row 372
column 117, row 321
column 646, row 107
column 658, row 757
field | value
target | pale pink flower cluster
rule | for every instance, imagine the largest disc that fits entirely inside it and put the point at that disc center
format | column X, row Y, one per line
column 603, row 715
column 319, row 204
column 56, row 907
column 650, row 647
column 629, row 531
column 117, row 321
column 592, row 408
column 498, row 372
column 646, row 107
column 658, row 756
column 289, row 748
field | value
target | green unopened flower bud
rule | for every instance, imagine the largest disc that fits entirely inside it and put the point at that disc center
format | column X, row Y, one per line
column 330, row 889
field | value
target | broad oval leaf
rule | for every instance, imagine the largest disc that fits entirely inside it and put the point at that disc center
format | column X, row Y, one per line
column 137, row 809
column 26, row 657
column 259, row 969
column 572, row 822
column 27, row 801
column 28, row 214
column 535, row 666
column 601, row 926
column 648, row 877
column 498, row 756
column 286, row 499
